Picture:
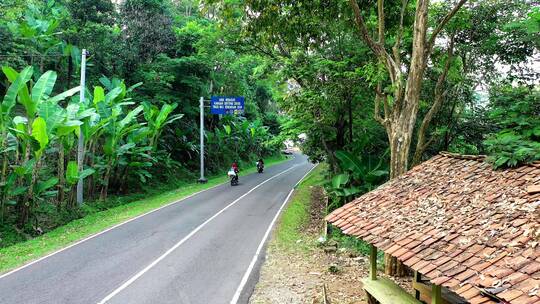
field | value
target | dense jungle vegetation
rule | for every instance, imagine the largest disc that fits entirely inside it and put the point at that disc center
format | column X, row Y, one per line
column 376, row 87
column 149, row 62
column 380, row 86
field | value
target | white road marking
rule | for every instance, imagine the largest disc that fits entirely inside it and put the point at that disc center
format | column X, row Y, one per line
column 104, row 231
column 245, row 278
column 187, row 237
column 107, row 230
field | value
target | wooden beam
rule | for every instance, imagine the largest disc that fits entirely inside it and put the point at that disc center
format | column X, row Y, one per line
column 436, row 297
column 385, row 291
column 372, row 262
column 417, row 279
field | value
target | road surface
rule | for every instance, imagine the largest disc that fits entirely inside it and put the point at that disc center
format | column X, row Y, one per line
column 201, row 250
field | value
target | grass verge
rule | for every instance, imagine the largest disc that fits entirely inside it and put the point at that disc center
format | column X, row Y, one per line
column 290, row 233
column 24, row 252
column 297, row 213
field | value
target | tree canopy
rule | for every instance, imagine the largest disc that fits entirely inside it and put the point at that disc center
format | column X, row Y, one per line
column 370, row 87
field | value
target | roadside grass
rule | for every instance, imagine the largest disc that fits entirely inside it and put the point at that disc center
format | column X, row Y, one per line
column 290, row 230
column 24, row 252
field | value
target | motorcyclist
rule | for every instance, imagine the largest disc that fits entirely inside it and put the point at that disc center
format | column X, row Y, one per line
column 235, row 168
column 260, row 165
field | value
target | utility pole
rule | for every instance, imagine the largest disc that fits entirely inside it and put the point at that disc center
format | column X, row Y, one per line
column 201, row 107
column 80, row 148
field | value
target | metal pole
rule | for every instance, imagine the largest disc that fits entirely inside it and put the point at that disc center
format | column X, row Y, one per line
column 201, row 107
column 80, row 148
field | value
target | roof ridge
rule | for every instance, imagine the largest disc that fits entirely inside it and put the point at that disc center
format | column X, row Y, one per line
column 463, row 156
column 481, row 158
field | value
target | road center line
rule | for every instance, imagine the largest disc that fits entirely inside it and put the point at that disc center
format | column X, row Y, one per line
column 187, row 237
column 245, row 278
column 107, row 230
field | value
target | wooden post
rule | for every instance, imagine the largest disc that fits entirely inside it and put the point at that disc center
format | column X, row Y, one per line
column 436, row 294
column 417, row 279
column 372, row 262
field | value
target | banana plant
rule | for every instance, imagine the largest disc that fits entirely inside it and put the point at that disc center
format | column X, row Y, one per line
column 18, row 81
column 157, row 119
column 111, row 107
column 361, row 170
column 340, row 185
column 36, row 129
column 357, row 177
column 73, row 175
column 67, row 129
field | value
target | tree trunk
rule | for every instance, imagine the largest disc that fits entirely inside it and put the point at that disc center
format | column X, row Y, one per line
column 332, row 162
column 22, row 208
column 402, row 125
column 400, row 139
column 439, row 97
column 72, row 196
column 70, row 72
column 28, row 202
column 3, row 193
column 124, row 180
column 350, row 120
column 400, row 116
column 91, row 184
column 340, row 133
column 3, row 178
column 105, row 188
column 61, row 174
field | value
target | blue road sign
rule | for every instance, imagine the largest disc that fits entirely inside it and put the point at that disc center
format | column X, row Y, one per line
column 227, row 105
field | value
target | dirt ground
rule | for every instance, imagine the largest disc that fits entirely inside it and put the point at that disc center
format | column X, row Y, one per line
column 299, row 275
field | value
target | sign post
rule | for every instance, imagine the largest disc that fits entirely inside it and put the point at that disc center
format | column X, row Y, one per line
column 222, row 105
column 201, row 106
column 80, row 144
column 227, row 105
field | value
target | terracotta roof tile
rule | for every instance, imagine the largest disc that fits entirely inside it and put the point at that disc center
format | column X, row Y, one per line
column 526, row 299
column 516, row 277
column 531, row 268
column 453, row 218
column 479, row 299
column 510, row 294
column 452, row 283
column 440, row 280
column 529, row 286
column 465, row 275
column 471, row 293
column 464, row 288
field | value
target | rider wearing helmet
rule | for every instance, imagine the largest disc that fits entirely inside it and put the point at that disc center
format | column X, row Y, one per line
column 235, row 167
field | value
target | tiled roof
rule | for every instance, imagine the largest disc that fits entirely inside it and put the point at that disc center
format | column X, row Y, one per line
column 459, row 223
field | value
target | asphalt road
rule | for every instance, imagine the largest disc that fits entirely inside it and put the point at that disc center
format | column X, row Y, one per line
column 202, row 249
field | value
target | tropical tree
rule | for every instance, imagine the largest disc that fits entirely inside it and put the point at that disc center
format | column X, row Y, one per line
column 34, row 131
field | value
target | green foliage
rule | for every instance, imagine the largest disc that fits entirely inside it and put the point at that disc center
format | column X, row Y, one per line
column 516, row 113
column 73, row 175
column 359, row 176
column 133, row 135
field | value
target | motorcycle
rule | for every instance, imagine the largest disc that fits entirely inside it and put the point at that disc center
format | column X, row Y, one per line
column 233, row 176
column 260, row 167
